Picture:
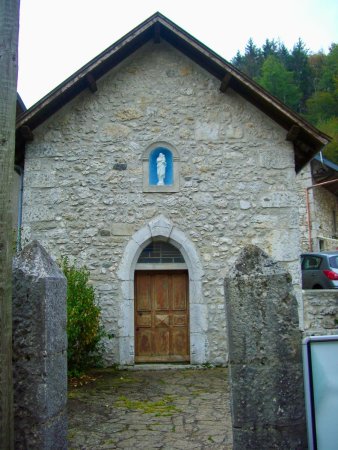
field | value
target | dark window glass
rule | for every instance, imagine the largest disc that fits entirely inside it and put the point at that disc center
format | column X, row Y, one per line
column 311, row 262
column 334, row 262
column 161, row 252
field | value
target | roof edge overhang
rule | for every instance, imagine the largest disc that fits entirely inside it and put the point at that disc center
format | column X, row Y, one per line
column 325, row 171
column 307, row 140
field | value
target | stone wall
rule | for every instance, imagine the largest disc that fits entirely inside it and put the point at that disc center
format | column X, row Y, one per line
column 324, row 224
column 323, row 208
column 304, row 180
column 84, row 193
column 320, row 312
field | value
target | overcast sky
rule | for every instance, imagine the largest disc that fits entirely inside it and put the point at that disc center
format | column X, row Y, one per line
column 57, row 37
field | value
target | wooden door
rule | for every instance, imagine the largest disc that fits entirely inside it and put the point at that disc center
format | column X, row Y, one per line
column 161, row 316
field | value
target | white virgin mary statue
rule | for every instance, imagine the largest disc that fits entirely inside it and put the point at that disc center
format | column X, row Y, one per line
column 161, row 166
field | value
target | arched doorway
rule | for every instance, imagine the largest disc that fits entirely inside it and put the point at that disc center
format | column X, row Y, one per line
column 162, row 229
column 161, row 305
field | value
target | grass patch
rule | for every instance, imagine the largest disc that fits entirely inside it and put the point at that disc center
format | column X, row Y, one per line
column 162, row 407
column 207, row 365
column 198, row 392
column 72, row 394
column 122, row 380
column 109, row 442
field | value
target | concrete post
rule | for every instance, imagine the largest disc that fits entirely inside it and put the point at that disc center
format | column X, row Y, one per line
column 39, row 351
column 266, row 380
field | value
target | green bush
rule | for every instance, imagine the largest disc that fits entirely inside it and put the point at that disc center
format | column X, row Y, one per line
column 83, row 321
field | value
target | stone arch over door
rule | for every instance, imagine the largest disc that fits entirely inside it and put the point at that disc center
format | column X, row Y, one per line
column 162, row 228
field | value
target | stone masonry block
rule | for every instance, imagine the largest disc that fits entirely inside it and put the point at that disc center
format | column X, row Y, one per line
column 39, row 351
column 178, row 236
column 271, row 397
column 52, row 437
column 160, row 227
column 39, row 308
column 142, row 235
column 266, row 379
column 193, row 261
column 36, row 327
column 126, row 351
column 276, row 438
column 198, row 346
column 46, row 377
column 132, row 249
column 127, row 288
column 126, row 322
column 196, row 292
column 198, row 318
column 267, row 335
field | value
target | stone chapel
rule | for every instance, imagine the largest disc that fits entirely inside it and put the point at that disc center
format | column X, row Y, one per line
column 154, row 165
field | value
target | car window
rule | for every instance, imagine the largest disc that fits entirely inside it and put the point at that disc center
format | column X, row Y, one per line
column 311, row 262
column 333, row 260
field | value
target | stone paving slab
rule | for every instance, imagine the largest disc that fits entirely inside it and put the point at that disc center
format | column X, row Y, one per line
column 175, row 409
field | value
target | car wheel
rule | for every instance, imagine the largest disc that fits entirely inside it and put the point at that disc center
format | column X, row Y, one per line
column 317, row 286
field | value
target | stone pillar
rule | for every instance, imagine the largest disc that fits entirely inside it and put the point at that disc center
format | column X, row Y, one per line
column 266, row 377
column 39, row 351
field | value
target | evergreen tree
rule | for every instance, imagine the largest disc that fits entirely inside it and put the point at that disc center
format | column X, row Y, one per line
column 299, row 65
column 316, row 63
column 251, row 62
column 279, row 81
column 306, row 83
column 322, row 106
column 330, row 70
column 269, row 48
column 236, row 60
column 283, row 54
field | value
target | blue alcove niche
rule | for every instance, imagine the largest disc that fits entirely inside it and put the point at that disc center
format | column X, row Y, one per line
column 169, row 173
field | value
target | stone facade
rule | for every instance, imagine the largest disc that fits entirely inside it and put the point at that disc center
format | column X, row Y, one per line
column 85, row 196
column 325, row 222
column 304, row 180
column 320, row 312
column 323, row 214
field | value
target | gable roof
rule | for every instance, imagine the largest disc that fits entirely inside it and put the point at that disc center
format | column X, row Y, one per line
column 307, row 139
column 20, row 106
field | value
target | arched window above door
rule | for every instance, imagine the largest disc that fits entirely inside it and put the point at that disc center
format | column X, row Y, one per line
column 160, row 255
column 160, row 252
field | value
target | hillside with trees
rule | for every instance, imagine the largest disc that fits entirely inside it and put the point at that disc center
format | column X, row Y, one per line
column 307, row 82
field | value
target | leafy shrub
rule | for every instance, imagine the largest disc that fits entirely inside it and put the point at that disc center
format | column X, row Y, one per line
column 83, row 321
